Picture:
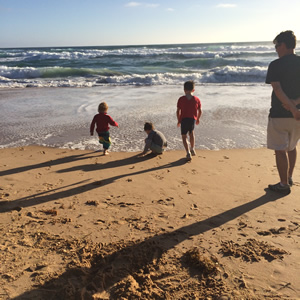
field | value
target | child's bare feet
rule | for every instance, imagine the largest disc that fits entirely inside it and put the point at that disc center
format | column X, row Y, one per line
column 105, row 152
column 188, row 156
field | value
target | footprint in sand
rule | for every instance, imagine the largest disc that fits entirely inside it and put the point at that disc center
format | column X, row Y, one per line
column 194, row 207
column 187, row 216
column 48, row 186
column 126, row 204
column 272, row 231
column 92, row 202
column 52, row 212
column 183, row 182
column 168, row 201
column 4, row 195
column 242, row 225
column 251, row 251
column 159, row 177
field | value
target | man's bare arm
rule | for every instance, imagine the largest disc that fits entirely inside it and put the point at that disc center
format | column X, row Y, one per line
column 285, row 100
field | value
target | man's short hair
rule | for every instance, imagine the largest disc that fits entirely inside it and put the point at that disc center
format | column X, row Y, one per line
column 287, row 37
column 189, row 85
column 148, row 126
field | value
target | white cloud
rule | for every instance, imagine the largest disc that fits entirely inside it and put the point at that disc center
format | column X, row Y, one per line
column 170, row 9
column 152, row 5
column 226, row 5
column 133, row 4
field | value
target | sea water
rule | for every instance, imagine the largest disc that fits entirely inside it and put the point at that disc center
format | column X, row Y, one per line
column 48, row 96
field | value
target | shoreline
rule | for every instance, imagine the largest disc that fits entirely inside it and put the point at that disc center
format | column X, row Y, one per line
column 144, row 217
column 62, row 116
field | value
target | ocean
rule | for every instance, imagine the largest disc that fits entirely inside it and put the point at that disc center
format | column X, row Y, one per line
column 48, row 96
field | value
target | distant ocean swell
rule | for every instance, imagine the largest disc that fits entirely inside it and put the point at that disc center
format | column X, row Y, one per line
column 136, row 65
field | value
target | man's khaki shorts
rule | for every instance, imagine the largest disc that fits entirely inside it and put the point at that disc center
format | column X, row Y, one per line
column 283, row 133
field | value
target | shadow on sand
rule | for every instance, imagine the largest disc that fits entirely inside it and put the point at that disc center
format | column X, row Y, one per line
column 82, row 186
column 109, row 267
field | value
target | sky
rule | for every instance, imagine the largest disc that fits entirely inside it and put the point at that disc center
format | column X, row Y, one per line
column 46, row 23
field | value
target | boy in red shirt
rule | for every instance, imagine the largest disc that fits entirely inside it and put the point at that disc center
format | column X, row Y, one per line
column 102, row 121
column 188, row 113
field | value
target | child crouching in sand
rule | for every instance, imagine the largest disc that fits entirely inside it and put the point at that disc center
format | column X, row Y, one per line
column 102, row 121
column 155, row 141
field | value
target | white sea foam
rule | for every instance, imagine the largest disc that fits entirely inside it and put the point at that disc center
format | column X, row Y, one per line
column 234, row 116
column 135, row 65
column 78, row 55
column 32, row 77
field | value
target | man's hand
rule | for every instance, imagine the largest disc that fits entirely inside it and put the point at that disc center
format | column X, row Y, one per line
column 295, row 111
column 293, row 101
column 287, row 103
column 296, row 114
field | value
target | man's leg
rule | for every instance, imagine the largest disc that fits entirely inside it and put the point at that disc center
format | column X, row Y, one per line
column 282, row 164
column 292, row 156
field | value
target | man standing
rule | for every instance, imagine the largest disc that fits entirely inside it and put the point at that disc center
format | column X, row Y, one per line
column 284, row 126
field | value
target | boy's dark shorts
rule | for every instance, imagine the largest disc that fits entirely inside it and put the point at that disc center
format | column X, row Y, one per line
column 187, row 125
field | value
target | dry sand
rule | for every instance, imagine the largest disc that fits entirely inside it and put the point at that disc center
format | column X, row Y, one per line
column 80, row 225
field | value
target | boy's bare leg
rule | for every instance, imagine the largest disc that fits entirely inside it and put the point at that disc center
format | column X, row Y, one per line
column 185, row 143
column 192, row 140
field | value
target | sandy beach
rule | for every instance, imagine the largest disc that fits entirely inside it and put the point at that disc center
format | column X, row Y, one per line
column 79, row 225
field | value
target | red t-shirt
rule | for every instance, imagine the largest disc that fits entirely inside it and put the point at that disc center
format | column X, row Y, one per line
column 102, row 120
column 188, row 107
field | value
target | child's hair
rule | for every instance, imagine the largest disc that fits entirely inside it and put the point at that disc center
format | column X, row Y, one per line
column 103, row 107
column 148, row 126
column 189, row 85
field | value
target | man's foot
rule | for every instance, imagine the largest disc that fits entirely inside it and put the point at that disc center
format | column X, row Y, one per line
column 188, row 156
column 291, row 182
column 279, row 188
column 193, row 152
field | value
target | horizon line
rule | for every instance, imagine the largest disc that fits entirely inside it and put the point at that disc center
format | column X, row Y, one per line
column 134, row 45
